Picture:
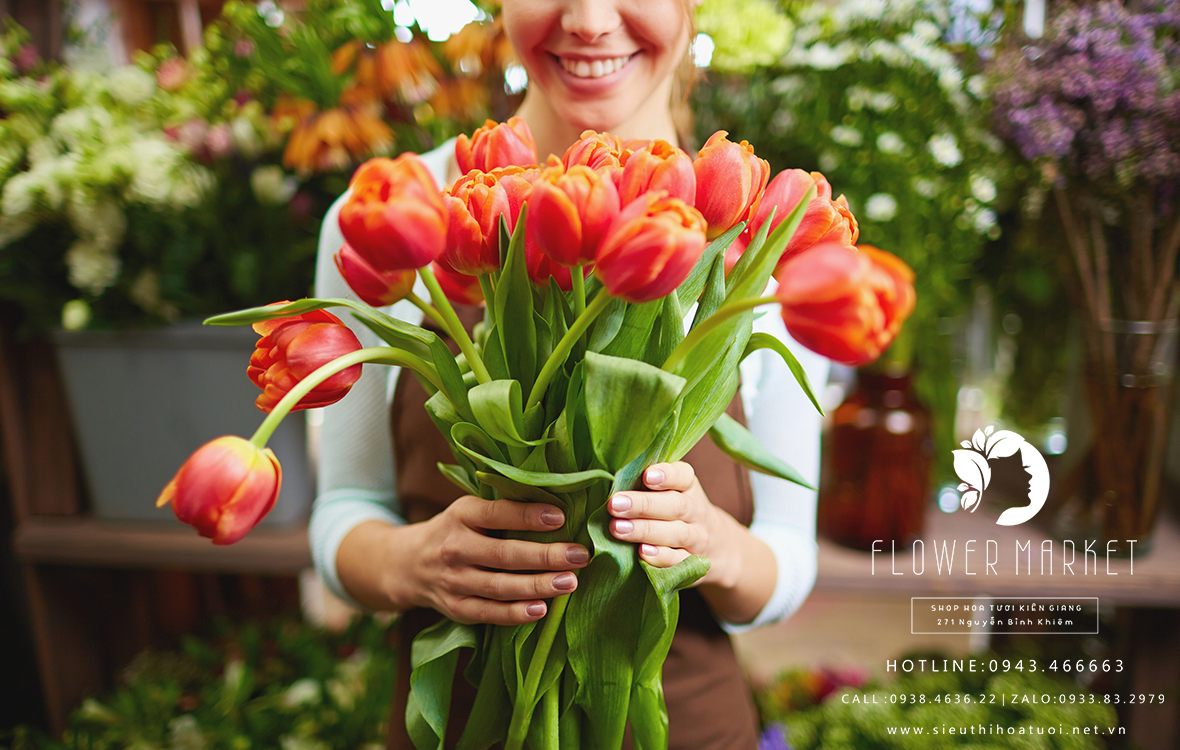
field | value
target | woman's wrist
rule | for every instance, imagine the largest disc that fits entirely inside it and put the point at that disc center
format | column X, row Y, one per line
column 372, row 564
column 744, row 574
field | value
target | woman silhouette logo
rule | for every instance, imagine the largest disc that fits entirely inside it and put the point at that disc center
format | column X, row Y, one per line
column 972, row 467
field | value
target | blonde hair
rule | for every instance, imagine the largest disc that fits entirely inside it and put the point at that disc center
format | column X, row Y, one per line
column 683, row 80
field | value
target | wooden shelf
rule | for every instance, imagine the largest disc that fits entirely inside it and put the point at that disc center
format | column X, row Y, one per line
column 1154, row 583
column 91, row 542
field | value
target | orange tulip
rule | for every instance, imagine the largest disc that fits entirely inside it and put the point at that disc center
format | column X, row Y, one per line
column 458, row 287
column 845, row 304
column 650, row 248
column 730, row 180
column 597, row 151
column 333, row 139
column 824, row 220
column 504, row 144
column 569, row 212
column 395, row 217
column 293, row 348
column 377, row 288
column 541, row 267
column 658, row 166
column 224, row 488
column 474, row 206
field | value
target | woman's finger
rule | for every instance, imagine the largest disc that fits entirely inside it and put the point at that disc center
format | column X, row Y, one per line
column 663, row 506
column 662, row 557
column 517, row 554
column 508, row 515
column 473, row 609
column 511, row 587
column 674, row 476
column 658, row 533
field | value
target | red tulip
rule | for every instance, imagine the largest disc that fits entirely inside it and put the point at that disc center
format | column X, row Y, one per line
column 730, row 180
column 224, row 488
column 474, row 206
column 541, row 267
column 824, row 219
column 569, row 212
column 458, row 287
column 377, row 288
column 658, row 166
column 845, row 304
column 292, row 348
column 597, row 151
column 504, row 144
column 650, row 248
column 394, row 217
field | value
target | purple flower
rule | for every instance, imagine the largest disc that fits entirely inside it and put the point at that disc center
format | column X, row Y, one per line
column 774, row 737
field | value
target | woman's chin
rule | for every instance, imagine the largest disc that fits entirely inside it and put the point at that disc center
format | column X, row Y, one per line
column 602, row 117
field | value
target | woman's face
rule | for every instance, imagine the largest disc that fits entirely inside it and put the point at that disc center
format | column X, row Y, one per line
column 599, row 62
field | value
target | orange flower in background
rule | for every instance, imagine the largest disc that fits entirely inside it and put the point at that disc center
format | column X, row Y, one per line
column 459, row 98
column 472, row 48
column 493, row 145
column 293, row 348
column 730, row 180
column 824, row 220
column 376, row 288
column 405, row 70
column 474, row 206
column 658, row 166
column 569, row 212
column 650, row 248
column 224, row 488
column 458, row 287
column 844, row 303
column 332, row 140
column 394, row 217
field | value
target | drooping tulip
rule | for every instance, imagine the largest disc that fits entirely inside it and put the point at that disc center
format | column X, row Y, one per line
column 224, row 488
column 569, row 212
column 658, row 166
column 844, row 303
column 474, row 207
column 394, row 217
column 458, row 287
column 824, row 219
column 377, row 288
column 650, row 248
column 503, row 144
column 292, row 348
column 730, row 180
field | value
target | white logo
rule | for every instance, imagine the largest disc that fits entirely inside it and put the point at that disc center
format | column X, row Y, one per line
column 972, row 467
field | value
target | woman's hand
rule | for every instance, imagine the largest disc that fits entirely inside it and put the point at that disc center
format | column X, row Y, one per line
column 470, row 577
column 675, row 520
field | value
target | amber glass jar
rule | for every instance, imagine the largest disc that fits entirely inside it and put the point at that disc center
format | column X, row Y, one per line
column 876, row 465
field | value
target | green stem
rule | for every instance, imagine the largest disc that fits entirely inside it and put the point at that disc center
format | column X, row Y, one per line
column 579, row 287
column 427, row 309
column 383, row 354
column 453, row 326
column 526, row 700
column 696, row 335
column 487, row 285
column 562, row 350
column 551, row 708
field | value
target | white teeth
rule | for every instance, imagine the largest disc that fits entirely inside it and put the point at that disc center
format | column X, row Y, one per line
column 595, row 69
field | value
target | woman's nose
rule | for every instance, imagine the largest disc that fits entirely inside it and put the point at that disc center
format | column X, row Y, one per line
column 590, row 20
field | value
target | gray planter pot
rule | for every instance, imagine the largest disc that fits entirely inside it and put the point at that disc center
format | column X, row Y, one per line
column 143, row 401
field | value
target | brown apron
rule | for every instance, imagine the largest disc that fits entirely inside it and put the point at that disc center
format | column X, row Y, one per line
column 708, row 699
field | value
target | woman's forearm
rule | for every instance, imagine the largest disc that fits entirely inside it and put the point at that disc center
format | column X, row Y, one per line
column 372, row 564
column 746, row 574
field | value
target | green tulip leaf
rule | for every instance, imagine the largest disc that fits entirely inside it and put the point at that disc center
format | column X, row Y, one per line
column 270, row 312
column 631, row 340
column 458, row 477
column 514, row 310
column 490, row 458
column 714, row 293
column 763, row 340
column 750, row 279
column 627, row 401
column 497, row 406
column 690, row 289
column 465, row 434
column 668, row 333
column 434, row 657
column 739, row 444
column 488, row 722
column 513, row 490
column 607, row 326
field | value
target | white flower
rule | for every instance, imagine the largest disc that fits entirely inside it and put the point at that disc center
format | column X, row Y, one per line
column 977, row 86
column 90, row 125
column 91, row 267
column 185, row 734
column 75, row 315
column 782, row 122
column 983, row 188
column 890, row 143
column 145, row 290
column 926, row 30
column 881, row 207
column 828, row 161
column 272, row 186
column 302, row 692
column 925, row 187
column 984, row 220
column 42, row 151
column 950, row 79
column 945, row 150
column 885, row 51
column 847, row 136
column 245, row 137
column 98, row 218
column 823, row 56
column 131, row 85
column 860, row 97
column 20, row 194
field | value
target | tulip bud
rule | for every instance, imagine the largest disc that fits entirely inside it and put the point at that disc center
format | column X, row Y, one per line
column 504, row 144
column 730, row 180
column 570, row 211
column 474, row 206
column 376, row 288
column 650, row 248
column 224, row 488
column 394, row 218
column 845, row 304
column 293, row 348
column 597, row 151
column 658, row 166
column 458, row 287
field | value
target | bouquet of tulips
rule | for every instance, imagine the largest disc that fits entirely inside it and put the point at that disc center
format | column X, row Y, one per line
column 584, row 371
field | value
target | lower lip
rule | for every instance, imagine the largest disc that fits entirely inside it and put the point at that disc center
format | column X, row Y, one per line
column 593, row 85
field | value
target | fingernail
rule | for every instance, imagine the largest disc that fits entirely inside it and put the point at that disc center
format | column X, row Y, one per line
column 565, row 582
column 552, row 517
column 536, row 609
column 654, row 477
column 620, row 503
column 577, row 555
column 623, row 526
column 648, row 550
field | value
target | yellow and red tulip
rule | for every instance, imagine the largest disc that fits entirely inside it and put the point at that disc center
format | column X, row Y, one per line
column 505, row 144
column 597, row 151
column 395, row 217
column 474, row 206
column 375, row 287
column 650, row 248
column 658, row 166
column 570, row 211
column 224, row 488
column 730, row 180
column 292, row 348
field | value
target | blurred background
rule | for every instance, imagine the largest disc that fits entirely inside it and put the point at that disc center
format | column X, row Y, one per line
column 164, row 160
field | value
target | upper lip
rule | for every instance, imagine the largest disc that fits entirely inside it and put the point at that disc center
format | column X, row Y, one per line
column 591, row 57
